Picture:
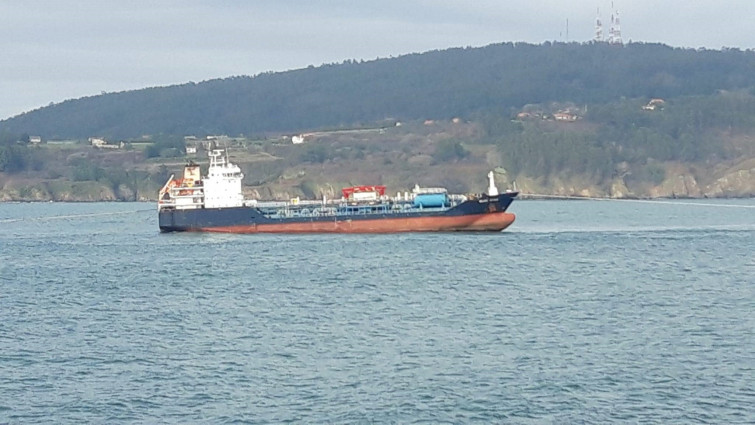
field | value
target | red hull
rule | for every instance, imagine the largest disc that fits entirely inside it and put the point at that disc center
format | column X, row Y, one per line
column 472, row 223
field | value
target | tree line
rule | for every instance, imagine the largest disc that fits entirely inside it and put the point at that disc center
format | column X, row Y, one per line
column 459, row 82
column 690, row 129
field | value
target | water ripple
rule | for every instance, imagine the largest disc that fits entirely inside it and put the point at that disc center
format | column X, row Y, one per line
column 108, row 322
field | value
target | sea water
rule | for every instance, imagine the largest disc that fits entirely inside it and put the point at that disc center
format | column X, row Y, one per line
column 581, row 312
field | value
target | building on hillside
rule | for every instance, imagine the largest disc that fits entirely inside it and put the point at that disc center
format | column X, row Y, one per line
column 97, row 142
column 118, row 145
column 101, row 143
column 654, row 104
column 564, row 116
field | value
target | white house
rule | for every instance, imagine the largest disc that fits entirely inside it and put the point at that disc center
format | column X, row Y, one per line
column 97, row 142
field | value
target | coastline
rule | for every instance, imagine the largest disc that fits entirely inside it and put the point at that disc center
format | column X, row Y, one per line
column 523, row 197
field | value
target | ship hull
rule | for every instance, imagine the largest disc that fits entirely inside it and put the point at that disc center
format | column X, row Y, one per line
column 486, row 214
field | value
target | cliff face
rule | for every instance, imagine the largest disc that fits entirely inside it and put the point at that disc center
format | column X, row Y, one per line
column 680, row 182
column 64, row 191
column 732, row 182
column 738, row 181
column 312, row 181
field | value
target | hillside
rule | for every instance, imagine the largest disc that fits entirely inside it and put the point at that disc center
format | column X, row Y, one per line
column 540, row 156
column 444, row 84
column 564, row 119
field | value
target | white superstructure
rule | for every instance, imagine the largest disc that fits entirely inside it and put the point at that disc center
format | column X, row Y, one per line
column 221, row 188
column 223, row 183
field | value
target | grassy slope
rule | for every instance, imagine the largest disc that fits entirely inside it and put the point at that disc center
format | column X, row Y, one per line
column 397, row 157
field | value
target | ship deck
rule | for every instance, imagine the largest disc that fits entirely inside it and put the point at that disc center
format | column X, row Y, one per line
column 279, row 210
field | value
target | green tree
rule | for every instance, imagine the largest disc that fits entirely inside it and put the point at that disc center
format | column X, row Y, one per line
column 315, row 153
column 13, row 158
column 151, row 151
column 84, row 170
column 449, row 150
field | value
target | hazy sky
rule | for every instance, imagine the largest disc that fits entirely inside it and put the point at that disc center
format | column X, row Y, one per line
column 52, row 50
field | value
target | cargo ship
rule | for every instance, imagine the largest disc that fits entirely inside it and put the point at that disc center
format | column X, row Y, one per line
column 215, row 203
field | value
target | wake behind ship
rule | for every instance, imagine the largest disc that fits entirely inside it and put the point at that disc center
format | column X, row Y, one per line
column 215, row 203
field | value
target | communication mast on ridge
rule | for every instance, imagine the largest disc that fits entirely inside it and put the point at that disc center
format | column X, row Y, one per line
column 614, row 34
column 598, row 28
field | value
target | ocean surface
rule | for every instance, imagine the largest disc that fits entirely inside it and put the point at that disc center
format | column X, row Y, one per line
column 586, row 312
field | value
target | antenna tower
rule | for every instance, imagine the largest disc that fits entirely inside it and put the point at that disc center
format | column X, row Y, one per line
column 614, row 34
column 617, row 31
column 598, row 28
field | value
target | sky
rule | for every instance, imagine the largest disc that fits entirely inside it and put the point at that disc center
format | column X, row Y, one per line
column 54, row 50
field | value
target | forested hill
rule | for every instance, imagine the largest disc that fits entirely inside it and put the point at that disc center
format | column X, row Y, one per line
column 459, row 82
